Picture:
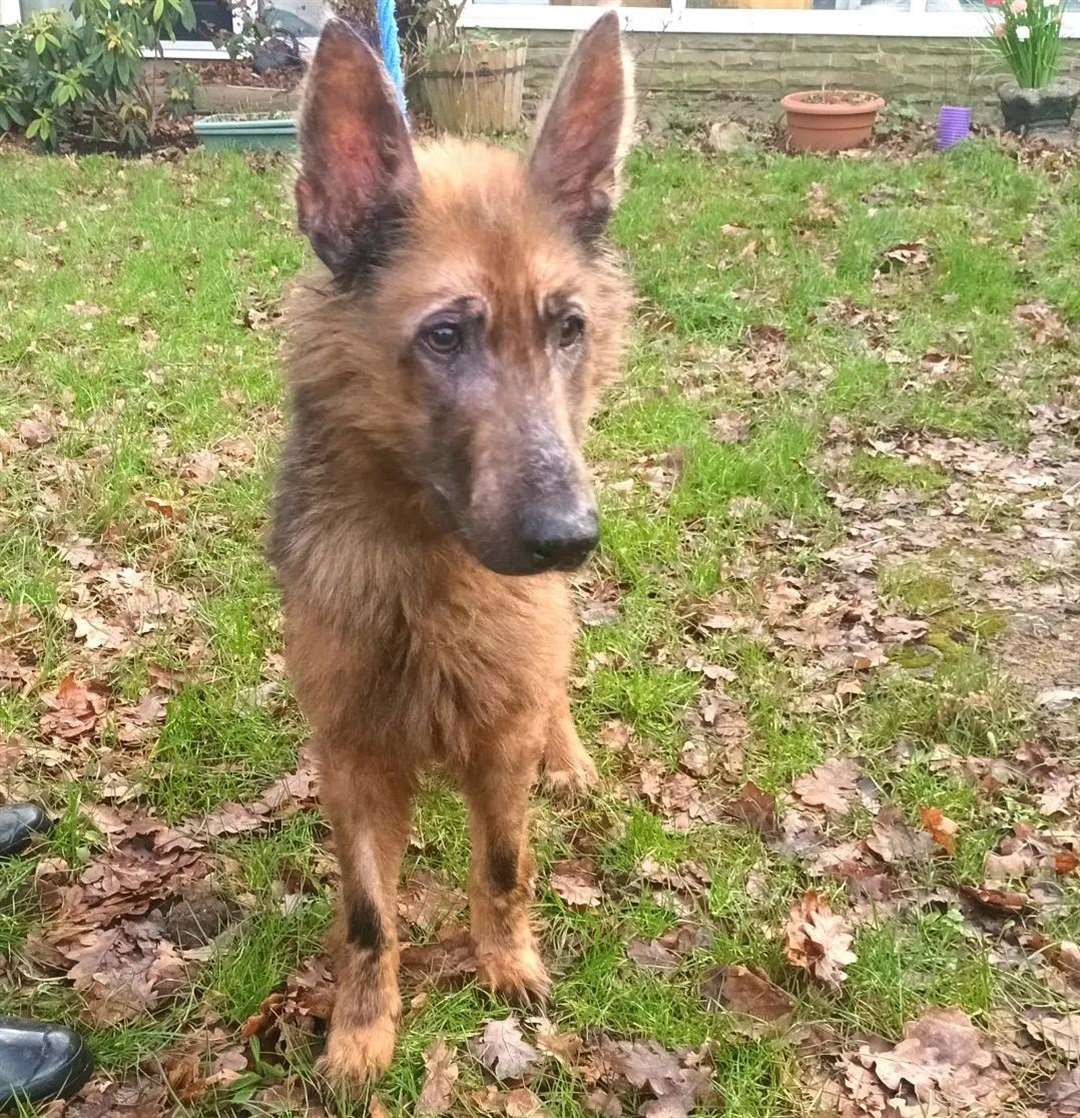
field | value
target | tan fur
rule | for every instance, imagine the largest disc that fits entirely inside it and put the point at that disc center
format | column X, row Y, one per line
column 405, row 651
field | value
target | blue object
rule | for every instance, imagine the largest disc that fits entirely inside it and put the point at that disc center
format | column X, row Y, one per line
column 388, row 44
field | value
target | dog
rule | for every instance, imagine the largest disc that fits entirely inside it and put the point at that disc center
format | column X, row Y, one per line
column 442, row 364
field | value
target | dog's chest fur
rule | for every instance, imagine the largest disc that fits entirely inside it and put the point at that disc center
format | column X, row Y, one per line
column 411, row 639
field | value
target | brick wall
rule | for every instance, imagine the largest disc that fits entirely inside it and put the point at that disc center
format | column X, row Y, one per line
column 693, row 68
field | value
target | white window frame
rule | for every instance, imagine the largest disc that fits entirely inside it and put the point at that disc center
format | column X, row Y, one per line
column 916, row 23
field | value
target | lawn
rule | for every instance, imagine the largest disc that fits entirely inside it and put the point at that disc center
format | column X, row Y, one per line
column 829, row 665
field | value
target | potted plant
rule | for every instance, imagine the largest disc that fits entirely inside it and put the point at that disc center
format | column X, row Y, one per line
column 830, row 119
column 470, row 81
column 1028, row 37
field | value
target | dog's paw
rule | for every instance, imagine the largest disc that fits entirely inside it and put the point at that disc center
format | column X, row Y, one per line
column 570, row 777
column 357, row 1054
column 519, row 975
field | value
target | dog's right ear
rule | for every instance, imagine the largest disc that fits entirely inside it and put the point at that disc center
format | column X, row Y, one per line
column 357, row 166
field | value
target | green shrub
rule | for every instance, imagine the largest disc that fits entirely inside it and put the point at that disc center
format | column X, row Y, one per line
column 77, row 76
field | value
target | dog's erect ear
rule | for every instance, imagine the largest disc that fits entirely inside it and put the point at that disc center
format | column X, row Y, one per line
column 357, row 165
column 582, row 138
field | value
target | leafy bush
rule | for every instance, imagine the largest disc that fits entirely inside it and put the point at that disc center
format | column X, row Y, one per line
column 78, row 75
column 180, row 85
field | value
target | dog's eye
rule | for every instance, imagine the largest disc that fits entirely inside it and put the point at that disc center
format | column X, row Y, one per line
column 570, row 330
column 444, row 338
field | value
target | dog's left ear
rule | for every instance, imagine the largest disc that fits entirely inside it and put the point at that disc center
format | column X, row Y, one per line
column 583, row 136
column 357, row 166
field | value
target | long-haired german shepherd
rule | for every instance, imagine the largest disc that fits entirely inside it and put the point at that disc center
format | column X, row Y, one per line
column 443, row 365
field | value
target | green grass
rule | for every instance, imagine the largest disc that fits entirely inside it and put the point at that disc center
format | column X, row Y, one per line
column 132, row 333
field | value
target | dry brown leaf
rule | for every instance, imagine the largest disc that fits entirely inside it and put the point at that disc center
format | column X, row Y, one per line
column 75, row 709
column 697, row 758
column 1045, row 323
column 599, row 602
column 565, row 1047
column 603, row 1103
column 676, row 1081
column 284, row 797
column 1062, row 1094
column 503, row 1050
column 78, row 553
column 301, row 1009
column 35, row 432
column 998, row 901
column 95, row 631
column 125, row 971
column 666, row 953
column 166, row 508
column 440, row 1074
column 184, row 1075
column 101, row 1099
column 521, row 1103
column 446, row 962
column 293, row 1096
column 1061, row 1032
column 201, row 467
column 816, row 939
column 755, row 807
column 900, row 630
column 576, row 882
column 1006, row 867
column 832, row 785
column 1065, row 862
column 750, row 992
column 908, row 254
column 943, row 1058
column 941, row 828
column 892, row 840
column 108, row 933
column 731, row 427
column 427, row 903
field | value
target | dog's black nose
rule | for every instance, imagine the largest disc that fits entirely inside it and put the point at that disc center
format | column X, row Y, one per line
column 560, row 539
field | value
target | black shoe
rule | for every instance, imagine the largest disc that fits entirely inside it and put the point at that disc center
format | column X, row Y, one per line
column 40, row 1062
column 18, row 825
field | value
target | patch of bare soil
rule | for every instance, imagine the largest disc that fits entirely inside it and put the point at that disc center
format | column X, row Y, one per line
column 241, row 73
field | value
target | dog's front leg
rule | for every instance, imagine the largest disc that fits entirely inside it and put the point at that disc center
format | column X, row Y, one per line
column 496, row 787
column 568, row 769
column 369, row 805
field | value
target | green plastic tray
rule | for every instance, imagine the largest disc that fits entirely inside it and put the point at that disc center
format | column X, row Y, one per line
column 263, row 132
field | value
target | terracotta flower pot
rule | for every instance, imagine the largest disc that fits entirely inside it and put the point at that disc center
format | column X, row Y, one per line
column 830, row 120
column 1039, row 112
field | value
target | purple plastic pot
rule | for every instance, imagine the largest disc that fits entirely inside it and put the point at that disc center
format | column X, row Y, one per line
column 954, row 125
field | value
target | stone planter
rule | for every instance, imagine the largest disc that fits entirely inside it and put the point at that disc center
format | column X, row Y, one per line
column 834, row 120
column 1039, row 112
column 231, row 131
column 477, row 87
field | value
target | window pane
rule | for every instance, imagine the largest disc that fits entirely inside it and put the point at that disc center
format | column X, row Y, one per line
column 301, row 17
column 31, row 7
column 956, row 6
column 806, row 5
